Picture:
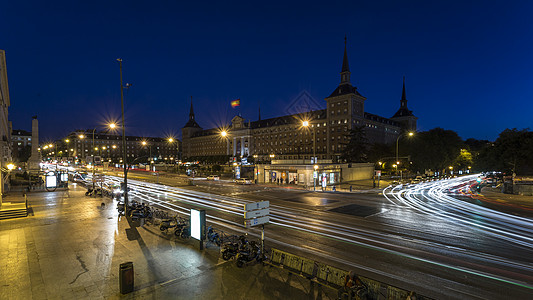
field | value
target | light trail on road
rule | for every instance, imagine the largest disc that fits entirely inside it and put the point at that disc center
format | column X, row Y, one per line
column 435, row 198
column 416, row 197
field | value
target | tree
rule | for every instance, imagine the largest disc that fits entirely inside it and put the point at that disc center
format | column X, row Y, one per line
column 463, row 160
column 379, row 151
column 355, row 149
column 436, row 149
column 511, row 152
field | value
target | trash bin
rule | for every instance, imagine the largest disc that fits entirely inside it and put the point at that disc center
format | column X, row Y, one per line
column 126, row 277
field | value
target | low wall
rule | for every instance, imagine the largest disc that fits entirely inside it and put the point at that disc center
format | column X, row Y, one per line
column 357, row 171
column 525, row 189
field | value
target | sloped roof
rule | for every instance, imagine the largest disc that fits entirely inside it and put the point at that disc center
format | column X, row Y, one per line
column 344, row 89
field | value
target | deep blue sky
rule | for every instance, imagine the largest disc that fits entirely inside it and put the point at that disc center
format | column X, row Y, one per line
column 468, row 64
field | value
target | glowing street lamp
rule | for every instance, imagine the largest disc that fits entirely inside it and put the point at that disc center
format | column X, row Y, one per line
column 397, row 140
column 171, row 140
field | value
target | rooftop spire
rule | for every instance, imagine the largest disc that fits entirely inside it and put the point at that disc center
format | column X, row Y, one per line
column 345, row 66
column 259, row 111
column 345, row 72
column 191, row 122
column 191, row 113
column 403, row 90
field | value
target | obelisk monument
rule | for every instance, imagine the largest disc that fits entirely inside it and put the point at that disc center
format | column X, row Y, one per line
column 35, row 158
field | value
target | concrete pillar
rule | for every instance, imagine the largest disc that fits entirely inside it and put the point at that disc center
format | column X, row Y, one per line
column 35, row 158
column 242, row 146
column 234, row 146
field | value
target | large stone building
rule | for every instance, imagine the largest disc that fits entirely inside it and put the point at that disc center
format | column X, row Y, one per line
column 21, row 145
column 78, row 145
column 286, row 138
column 5, row 124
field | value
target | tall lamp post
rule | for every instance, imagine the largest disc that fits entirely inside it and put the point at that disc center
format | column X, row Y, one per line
column 111, row 126
column 124, row 138
column 171, row 140
column 397, row 140
column 306, row 125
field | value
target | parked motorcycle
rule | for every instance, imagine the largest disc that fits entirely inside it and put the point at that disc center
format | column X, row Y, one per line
column 229, row 250
column 249, row 252
column 139, row 212
column 168, row 223
column 183, row 230
column 213, row 236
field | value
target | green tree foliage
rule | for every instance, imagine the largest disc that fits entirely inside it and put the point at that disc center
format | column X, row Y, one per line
column 511, row 152
column 377, row 152
column 436, row 149
column 356, row 148
column 464, row 160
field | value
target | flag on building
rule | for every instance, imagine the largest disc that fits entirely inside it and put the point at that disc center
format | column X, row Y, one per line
column 236, row 103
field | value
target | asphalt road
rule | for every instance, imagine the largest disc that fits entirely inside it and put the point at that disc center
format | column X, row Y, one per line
column 430, row 238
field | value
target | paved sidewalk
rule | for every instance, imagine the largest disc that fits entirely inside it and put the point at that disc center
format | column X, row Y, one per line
column 72, row 246
column 495, row 195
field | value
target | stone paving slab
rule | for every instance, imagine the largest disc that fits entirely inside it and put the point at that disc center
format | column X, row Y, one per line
column 72, row 247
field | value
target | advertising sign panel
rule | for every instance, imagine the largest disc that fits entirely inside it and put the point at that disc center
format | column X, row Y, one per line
column 197, row 224
column 51, row 180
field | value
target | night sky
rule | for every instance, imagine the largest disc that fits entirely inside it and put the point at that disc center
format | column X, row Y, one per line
column 468, row 64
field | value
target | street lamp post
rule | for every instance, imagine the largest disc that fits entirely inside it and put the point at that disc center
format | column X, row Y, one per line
column 94, row 165
column 397, row 140
column 123, row 140
column 171, row 140
column 306, row 124
column 111, row 126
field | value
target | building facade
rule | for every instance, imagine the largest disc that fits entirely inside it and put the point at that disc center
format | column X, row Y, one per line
column 285, row 137
column 79, row 145
column 21, row 145
column 5, row 124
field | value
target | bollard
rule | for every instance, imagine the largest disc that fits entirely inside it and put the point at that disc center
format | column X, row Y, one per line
column 126, row 277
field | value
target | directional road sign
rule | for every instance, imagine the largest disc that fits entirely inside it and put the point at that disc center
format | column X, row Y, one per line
column 256, row 205
column 256, row 221
column 250, row 214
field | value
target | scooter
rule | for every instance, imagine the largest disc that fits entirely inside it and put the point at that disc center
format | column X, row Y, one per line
column 168, row 223
column 229, row 250
column 248, row 253
column 213, row 236
column 183, row 230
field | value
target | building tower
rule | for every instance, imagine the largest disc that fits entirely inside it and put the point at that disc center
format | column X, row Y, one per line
column 404, row 116
column 190, row 128
column 345, row 109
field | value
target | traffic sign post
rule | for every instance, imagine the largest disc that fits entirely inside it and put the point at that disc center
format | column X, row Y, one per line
column 250, row 214
column 257, row 213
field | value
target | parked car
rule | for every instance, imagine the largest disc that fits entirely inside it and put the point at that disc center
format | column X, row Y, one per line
column 243, row 181
column 213, row 177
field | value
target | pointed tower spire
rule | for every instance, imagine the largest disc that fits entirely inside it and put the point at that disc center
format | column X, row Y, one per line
column 404, row 116
column 403, row 101
column 259, row 111
column 191, row 112
column 191, row 122
column 403, row 90
column 345, row 72
column 345, row 66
